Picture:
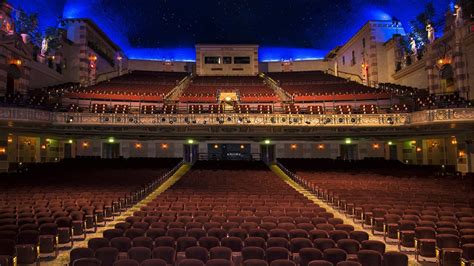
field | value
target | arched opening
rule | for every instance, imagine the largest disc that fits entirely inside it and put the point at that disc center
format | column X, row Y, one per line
column 446, row 75
column 13, row 73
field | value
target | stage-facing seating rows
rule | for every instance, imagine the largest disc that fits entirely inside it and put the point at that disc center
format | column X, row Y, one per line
column 50, row 206
column 238, row 213
column 430, row 215
column 205, row 89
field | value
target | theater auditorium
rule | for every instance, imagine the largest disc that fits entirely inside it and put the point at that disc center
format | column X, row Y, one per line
column 328, row 139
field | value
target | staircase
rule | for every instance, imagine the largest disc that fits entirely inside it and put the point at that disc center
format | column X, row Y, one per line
column 173, row 95
column 284, row 96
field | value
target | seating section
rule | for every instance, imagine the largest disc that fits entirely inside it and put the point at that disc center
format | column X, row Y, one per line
column 238, row 213
column 418, row 213
column 145, row 86
column 205, row 89
column 54, row 205
column 316, row 86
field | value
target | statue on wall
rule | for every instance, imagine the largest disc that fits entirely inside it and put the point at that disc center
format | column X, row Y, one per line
column 44, row 47
column 431, row 32
column 413, row 48
column 458, row 21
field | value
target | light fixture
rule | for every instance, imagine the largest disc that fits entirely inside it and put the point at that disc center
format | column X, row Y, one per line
column 267, row 141
column 164, row 146
column 418, row 149
column 138, row 146
column 3, row 150
column 85, row 144
column 390, row 143
column 242, row 146
column 70, row 141
column 43, row 146
column 321, row 146
column 9, row 139
column 190, row 141
column 294, row 146
column 111, row 140
column 461, row 153
column 454, row 141
column 216, row 146
column 375, row 146
column 348, row 141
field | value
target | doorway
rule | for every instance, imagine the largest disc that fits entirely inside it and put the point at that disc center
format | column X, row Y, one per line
column 349, row 152
column 110, row 150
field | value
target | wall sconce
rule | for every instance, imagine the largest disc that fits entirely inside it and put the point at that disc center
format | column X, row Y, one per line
column 321, row 146
column 43, row 146
column 294, row 146
column 375, row 146
column 462, row 153
column 10, row 139
column 3, row 150
column 138, row 146
column 454, row 141
column 85, row 144
column 418, row 149
column 242, row 146
column 216, row 146
column 16, row 62
column 164, row 146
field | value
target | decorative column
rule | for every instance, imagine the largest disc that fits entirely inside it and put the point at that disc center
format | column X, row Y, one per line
column 460, row 72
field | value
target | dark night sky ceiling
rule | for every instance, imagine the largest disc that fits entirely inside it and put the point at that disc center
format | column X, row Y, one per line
column 139, row 27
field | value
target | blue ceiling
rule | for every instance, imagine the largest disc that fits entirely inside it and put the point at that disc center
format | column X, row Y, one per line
column 284, row 29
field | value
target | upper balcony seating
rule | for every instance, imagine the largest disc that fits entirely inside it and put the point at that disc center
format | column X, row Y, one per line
column 196, row 109
column 368, row 109
column 400, row 108
column 121, row 109
column 242, row 109
column 149, row 109
column 169, row 109
column 314, row 86
column 315, row 110
column 401, row 90
column 98, row 108
column 264, row 109
column 216, row 109
column 292, row 109
column 136, row 86
column 343, row 109
column 250, row 89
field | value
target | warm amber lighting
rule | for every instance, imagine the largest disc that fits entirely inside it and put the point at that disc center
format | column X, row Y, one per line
column 294, row 146
column 43, row 147
column 375, row 146
column 454, row 141
column 3, row 150
column 418, row 149
column 92, row 58
column 16, row 62
column 216, row 146
column 461, row 153
column 85, row 144
column 138, row 146
column 242, row 146
column 10, row 139
column 321, row 146
column 164, row 146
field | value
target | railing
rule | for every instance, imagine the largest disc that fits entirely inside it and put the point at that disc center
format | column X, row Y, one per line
column 288, row 120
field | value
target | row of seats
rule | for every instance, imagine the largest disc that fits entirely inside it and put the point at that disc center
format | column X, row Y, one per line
column 419, row 214
column 241, row 213
column 44, row 210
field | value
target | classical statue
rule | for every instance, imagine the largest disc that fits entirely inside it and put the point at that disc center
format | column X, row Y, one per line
column 413, row 48
column 44, row 47
column 431, row 33
column 458, row 21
